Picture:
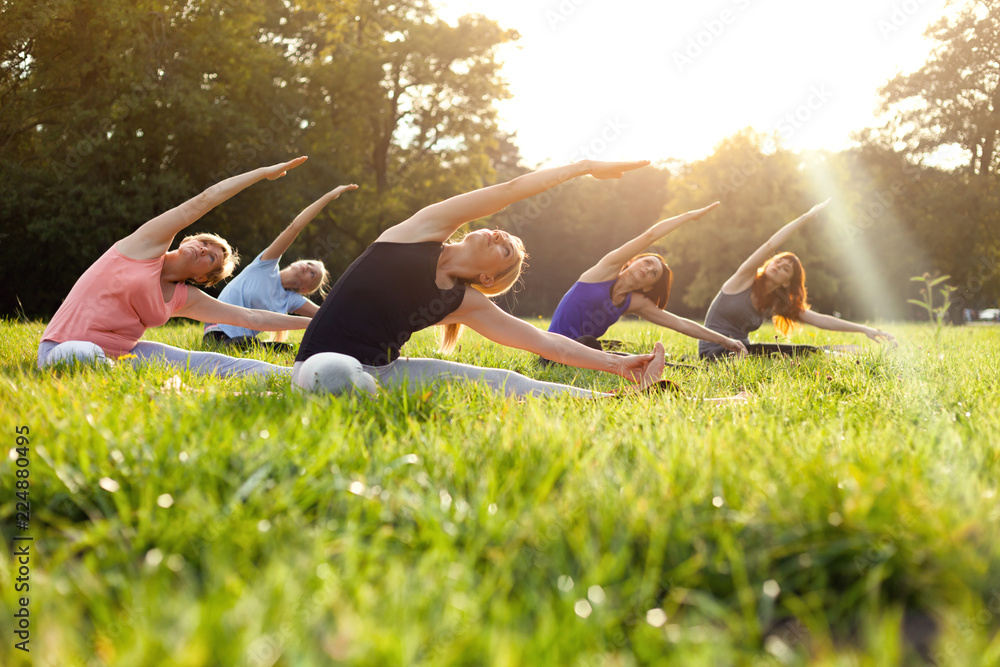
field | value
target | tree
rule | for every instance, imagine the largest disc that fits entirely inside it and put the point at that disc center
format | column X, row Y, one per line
column 954, row 99
column 114, row 110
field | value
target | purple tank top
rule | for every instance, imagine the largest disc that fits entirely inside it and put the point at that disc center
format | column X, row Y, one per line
column 586, row 310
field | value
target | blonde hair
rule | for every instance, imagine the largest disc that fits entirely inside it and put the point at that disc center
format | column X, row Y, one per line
column 230, row 258
column 503, row 282
column 323, row 284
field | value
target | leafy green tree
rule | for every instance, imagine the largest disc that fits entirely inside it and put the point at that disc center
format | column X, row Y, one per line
column 954, row 99
column 114, row 111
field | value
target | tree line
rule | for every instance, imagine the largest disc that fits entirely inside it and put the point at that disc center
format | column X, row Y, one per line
column 113, row 111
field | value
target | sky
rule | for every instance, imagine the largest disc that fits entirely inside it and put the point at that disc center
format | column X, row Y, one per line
column 631, row 79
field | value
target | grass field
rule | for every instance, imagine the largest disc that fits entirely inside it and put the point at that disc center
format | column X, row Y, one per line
column 847, row 515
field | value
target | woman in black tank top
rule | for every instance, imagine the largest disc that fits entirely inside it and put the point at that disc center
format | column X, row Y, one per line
column 410, row 278
column 769, row 284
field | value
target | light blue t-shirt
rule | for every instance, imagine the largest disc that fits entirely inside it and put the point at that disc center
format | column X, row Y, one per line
column 258, row 285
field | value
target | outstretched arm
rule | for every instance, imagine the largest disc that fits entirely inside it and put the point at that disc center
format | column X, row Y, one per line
column 154, row 237
column 280, row 244
column 611, row 264
column 202, row 307
column 486, row 318
column 745, row 275
column 438, row 222
column 831, row 323
column 647, row 310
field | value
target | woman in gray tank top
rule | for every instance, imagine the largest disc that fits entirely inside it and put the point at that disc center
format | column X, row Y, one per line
column 772, row 285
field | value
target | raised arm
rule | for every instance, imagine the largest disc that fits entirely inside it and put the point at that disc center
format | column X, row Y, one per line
column 202, row 307
column 438, row 222
column 280, row 244
column 154, row 237
column 647, row 310
column 486, row 318
column 831, row 323
column 745, row 275
column 611, row 264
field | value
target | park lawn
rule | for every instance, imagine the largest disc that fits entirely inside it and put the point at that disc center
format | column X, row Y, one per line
column 848, row 515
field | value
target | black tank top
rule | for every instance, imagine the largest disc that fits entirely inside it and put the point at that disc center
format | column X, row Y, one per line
column 388, row 293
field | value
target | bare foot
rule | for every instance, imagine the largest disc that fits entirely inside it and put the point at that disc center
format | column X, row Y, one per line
column 654, row 369
column 742, row 397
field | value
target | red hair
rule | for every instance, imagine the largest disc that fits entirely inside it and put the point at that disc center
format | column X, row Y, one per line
column 785, row 303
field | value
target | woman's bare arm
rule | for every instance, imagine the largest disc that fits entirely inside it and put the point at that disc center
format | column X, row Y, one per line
column 438, row 222
column 154, row 237
column 745, row 275
column 611, row 264
column 831, row 323
column 282, row 242
column 202, row 307
column 486, row 318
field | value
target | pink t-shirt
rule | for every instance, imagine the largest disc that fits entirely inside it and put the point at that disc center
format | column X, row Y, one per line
column 113, row 303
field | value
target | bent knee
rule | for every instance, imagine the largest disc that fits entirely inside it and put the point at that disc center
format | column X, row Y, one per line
column 333, row 373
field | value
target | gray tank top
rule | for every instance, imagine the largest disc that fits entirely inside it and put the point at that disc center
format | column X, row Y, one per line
column 731, row 315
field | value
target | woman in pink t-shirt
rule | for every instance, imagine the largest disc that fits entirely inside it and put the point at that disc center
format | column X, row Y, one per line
column 139, row 283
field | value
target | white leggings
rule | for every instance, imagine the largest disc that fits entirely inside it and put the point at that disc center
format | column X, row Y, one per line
column 337, row 373
column 203, row 363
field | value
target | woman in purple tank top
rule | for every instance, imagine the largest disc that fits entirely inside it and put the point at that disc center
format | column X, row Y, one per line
column 770, row 284
column 625, row 281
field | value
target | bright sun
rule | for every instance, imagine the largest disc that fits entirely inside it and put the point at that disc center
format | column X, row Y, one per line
column 635, row 79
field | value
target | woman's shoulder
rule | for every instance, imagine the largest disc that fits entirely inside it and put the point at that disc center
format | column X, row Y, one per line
column 736, row 286
column 590, row 283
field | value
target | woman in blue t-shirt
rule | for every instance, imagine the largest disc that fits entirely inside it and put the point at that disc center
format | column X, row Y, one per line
column 625, row 281
column 263, row 286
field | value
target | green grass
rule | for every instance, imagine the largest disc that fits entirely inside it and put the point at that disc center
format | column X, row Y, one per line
column 848, row 515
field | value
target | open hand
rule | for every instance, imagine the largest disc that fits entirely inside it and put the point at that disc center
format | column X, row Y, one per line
column 735, row 346
column 817, row 208
column 279, row 170
column 880, row 336
column 634, row 365
column 643, row 369
column 341, row 189
column 605, row 170
column 697, row 213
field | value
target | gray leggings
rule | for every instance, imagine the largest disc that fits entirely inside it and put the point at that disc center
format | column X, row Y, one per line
column 204, row 363
column 335, row 372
